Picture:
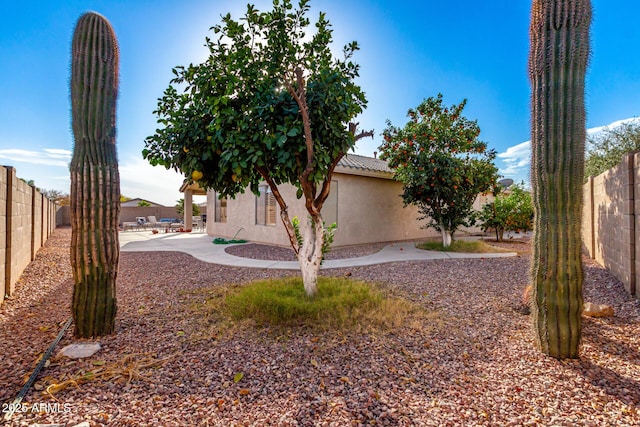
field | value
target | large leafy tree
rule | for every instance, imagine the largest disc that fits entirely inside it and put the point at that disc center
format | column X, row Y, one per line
column 441, row 162
column 270, row 104
column 607, row 148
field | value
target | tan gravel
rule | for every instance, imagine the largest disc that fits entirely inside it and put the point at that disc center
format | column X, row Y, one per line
column 479, row 367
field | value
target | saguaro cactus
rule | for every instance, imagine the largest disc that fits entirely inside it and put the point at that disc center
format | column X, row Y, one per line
column 95, row 181
column 557, row 65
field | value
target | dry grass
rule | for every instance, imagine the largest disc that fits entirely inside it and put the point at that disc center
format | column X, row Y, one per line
column 130, row 368
column 463, row 246
column 341, row 304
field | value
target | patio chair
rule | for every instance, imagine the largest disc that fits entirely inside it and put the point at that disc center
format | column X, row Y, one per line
column 152, row 222
column 196, row 222
column 141, row 222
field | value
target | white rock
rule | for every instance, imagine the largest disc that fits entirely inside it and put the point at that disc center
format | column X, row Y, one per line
column 81, row 350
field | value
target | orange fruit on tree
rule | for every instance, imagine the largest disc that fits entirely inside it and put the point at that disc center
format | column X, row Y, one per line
column 196, row 175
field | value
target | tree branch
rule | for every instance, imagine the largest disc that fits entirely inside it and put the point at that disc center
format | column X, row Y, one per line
column 284, row 209
column 326, row 185
column 299, row 94
column 352, row 129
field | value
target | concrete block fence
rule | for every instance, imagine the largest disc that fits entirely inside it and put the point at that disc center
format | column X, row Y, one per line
column 611, row 220
column 610, row 223
column 27, row 219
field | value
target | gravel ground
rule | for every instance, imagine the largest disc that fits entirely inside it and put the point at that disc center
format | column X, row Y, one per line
column 279, row 253
column 476, row 365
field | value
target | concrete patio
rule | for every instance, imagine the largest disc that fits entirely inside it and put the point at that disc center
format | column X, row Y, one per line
column 201, row 246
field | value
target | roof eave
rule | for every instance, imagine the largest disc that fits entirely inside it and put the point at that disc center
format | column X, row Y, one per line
column 363, row 172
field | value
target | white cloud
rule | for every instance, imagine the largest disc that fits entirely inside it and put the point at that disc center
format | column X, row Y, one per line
column 48, row 156
column 137, row 177
column 597, row 129
column 155, row 183
column 517, row 158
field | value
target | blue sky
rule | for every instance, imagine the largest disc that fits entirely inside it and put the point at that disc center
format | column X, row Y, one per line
column 410, row 50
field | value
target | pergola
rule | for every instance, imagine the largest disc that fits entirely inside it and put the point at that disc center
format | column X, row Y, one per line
column 189, row 191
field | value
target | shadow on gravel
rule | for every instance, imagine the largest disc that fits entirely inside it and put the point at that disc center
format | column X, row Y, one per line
column 610, row 382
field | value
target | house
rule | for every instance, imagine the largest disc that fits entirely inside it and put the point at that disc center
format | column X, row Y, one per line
column 136, row 202
column 365, row 202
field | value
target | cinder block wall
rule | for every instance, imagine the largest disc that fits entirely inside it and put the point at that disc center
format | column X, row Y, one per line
column 636, row 210
column 3, row 230
column 39, row 219
column 610, row 224
column 130, row 213
column 27, row 219
column 20, row 236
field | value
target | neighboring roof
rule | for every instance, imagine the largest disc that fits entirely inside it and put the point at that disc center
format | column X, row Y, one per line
column 134, row 202
column 361, row 165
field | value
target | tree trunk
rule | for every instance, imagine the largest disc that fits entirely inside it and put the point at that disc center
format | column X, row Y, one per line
column 446, row 238
column 310, row 254
column 557, row 67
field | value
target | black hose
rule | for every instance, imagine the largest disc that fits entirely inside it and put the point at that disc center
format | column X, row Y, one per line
column 25, row 389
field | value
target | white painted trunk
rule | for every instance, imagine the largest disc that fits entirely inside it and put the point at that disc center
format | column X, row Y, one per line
column 446, row 238
column 310, row 255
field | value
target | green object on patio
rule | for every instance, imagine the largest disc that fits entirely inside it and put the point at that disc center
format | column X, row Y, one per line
column 222, row 241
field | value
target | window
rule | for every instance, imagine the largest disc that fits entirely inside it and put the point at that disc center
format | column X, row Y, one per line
column 265, row 207
column 220, row 210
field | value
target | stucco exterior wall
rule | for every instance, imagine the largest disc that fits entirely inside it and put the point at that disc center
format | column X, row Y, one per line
column 369, row 209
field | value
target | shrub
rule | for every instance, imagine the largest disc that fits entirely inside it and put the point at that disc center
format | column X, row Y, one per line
column 511, row 211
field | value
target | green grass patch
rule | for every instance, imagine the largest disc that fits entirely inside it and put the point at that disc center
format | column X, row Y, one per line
column 465, row 246
column 341, row 303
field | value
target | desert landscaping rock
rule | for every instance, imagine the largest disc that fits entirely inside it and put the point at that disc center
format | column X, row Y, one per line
column 80, row 350
column 597, row 310
column 476, row 364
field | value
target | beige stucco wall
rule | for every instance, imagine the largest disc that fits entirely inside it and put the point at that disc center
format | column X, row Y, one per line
column 370, row 209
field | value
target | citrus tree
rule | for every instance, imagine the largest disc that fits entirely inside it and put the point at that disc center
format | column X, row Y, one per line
column 442, row 164
column 509, row 211
column 270, row 104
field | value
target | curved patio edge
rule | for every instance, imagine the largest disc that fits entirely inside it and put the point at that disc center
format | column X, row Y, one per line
column 200, row 246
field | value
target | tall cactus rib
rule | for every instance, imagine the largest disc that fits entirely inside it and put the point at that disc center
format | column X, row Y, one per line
column 95, row 181
column 558, row 61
